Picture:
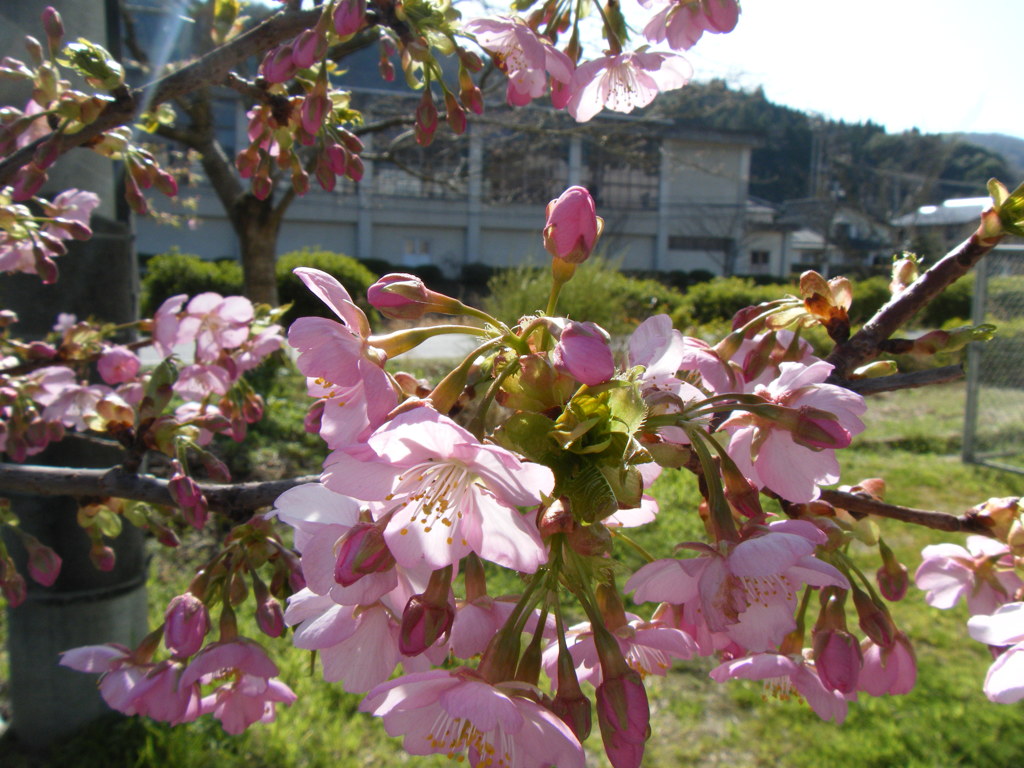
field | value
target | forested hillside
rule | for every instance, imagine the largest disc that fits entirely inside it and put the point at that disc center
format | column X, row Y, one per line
column 882, row 174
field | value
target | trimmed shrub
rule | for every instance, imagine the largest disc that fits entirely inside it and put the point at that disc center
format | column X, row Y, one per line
column 350, row 273
column 171, row 273
column 720, row 299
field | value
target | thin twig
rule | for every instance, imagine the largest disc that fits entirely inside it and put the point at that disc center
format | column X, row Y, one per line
column 213, row 68
column 864, row 345
column 861, row 506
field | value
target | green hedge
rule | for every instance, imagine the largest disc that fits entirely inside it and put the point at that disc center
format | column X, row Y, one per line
column 598, row 292
column 169, row 274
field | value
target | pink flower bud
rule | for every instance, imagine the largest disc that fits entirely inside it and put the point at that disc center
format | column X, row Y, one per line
column 426, row 119
column 583, row 352
column 624, row 717
column 314, row 417
column 355, row 168
column 43, row 563
column 875, row 622
column 456, row 115
column 52, row 24
column 269, row 616
column 306, row 48
column 424, row 622
column 278, row 65
column 349, row 17
column 188, row 497
column 573, row 226
column 102, row 556
column 40, row 350
column 400, row 296
column 893, row 581
column 14, row 589
column 363, row 551
column 186, row 622
column 27, row 182
column 837, row 658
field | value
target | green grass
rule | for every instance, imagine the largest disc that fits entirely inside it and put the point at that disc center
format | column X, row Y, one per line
column 912, row 441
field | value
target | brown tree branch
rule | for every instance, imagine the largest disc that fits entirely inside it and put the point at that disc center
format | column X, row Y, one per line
column 116, row 482
column 863, row 346
column 213, row 68
column 861, row 506
column 926, row 378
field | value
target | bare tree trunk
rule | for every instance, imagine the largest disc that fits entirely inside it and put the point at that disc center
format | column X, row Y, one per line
column 257, row 225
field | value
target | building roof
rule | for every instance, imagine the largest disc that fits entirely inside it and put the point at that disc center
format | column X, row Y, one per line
column 957, row 211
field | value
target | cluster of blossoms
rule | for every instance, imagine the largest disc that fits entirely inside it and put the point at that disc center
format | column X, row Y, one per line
column 544, row 476
column 48, row 389
column 986, row 575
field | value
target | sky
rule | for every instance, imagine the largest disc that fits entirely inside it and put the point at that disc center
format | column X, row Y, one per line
column 938, row 65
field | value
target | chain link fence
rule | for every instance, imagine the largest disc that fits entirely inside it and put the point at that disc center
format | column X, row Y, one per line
column 994, row 420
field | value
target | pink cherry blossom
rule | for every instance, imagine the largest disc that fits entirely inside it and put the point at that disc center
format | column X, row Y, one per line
column 215, row 323
column 649, row 648
column 253, row 692
column 455, row 713
column 625, row 81
column 750, row 593
column 785, row 460
column 166, row 322
column 120, row 675
column 1004, row 683
column 341, row 364
column 447, row 493
column 526, row 57
column 784, row 675
column 683, row 23
column 982, row 574
column 890, row 670
column 75, row 404
column 118, row 365
column 357, row 645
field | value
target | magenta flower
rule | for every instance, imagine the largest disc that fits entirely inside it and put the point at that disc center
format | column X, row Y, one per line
column 455, row 713
column 982, row 574
column 584, row 353
column 572, row 226
column 447, row 493
column 526, row 57
column 794, row 459
column 1004, row 683
column 252, row 693
column 625, row 81
column 784, row 675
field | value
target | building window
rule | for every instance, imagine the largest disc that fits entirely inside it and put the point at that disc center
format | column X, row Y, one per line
column 417, row 252
column 759, row 260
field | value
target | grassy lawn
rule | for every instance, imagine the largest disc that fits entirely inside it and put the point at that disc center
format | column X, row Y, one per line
column 912, row 440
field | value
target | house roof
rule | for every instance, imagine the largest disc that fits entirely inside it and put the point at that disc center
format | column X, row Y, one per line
column 957, row 211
